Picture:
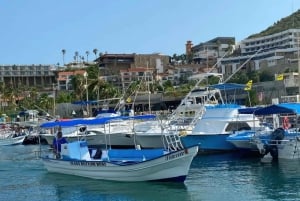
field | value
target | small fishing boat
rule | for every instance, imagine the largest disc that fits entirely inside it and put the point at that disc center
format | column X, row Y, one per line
column 12, row 139
column 284, row 142
column 243, row 140
column 171, row 163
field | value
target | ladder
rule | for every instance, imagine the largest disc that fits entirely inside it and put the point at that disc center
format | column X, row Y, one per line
column 173, row 141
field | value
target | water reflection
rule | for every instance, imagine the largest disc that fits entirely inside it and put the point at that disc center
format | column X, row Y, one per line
column 65, row 187
column 278, row 180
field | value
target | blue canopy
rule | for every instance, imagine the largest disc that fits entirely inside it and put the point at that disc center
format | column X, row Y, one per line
column 248, row 110
column 283, row 108
column 92, row 121
column 84, row 102
column 229, row 86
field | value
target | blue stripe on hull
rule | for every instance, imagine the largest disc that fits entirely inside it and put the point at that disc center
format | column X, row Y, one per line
column 179, row 179
column 209, row 142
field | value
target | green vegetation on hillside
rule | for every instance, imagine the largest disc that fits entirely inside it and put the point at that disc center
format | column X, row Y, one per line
column 290, row 22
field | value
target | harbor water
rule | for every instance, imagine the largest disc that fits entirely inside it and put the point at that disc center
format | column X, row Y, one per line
column 211, row 177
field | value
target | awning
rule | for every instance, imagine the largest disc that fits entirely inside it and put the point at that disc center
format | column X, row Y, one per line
column 283, row 108
column 229, row 86
column 92, row 121
column 248, row 110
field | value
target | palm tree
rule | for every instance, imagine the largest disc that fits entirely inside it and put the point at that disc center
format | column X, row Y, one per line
column 95, row 51
column 78, row 84
column 87, row 56
column 97, row 84
column 63, row 53
column 76, row 56
column 45, row 102
column 82, row 59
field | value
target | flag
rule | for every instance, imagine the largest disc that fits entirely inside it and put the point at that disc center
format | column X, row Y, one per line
column 279, row 77
column 248, row 86
column 128, row 100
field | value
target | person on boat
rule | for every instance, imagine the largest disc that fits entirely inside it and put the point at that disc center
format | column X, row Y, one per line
column 57, row 142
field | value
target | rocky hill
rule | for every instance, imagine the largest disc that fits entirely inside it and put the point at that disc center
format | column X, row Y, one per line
column 290, row 22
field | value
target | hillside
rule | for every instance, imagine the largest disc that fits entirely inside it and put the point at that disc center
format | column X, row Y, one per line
column 292, row 21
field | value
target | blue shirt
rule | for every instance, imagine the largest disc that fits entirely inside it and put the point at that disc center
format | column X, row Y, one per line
column 58, row 142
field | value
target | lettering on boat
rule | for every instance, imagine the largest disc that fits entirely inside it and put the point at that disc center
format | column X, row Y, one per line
column 88, row 163
column 176, row 155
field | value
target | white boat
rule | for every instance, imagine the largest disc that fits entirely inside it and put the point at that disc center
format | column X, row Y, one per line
column 12, row 139
column 72, row 134
column 183, row 118
column 284, row 142
column 279, row 149
column 117, row 133
column 164, row 164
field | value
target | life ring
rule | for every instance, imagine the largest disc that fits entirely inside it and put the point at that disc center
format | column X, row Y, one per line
column 286, row 124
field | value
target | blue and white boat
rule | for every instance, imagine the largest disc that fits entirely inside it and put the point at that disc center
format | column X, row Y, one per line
column 202, row 119
column 129, row 165
column 278, row 121
column 217, row 123
column 242, row 140
column 284, row 142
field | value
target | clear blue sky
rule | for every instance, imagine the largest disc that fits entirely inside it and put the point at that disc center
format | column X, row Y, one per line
column 35, row 31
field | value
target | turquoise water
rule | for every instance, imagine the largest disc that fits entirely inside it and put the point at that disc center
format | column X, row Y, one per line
column 212, row 177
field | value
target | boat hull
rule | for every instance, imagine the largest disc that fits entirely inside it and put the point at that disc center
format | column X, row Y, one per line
column 170, row 167
column 12, row 140
column 209, row 142
column 283, row 149
column 150, row 140
column 243, row 140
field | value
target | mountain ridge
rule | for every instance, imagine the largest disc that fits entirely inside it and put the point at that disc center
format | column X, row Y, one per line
column 290, row 22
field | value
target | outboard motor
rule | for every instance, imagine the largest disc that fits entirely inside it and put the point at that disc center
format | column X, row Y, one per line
column 275, row 139
column 277, row 136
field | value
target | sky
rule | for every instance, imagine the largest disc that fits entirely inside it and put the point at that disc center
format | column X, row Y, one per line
column 36, row 31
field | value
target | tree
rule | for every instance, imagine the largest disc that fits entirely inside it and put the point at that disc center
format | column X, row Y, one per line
column 76, row 56
column 95, row 51
column 266, row 76
column 78, row 86
column 45, row 102
column 239, row 78
column 63, row 53
column 87, row 56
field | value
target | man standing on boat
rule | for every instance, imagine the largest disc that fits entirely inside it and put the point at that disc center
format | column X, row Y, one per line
column 57, row 142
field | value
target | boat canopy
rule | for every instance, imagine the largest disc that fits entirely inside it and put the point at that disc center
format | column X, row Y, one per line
column 92, row 121
column 248, row 110
column 228, row 86
column 282, row 108
column 85, row 102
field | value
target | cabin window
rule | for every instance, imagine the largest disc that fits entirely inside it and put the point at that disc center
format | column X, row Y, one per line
column 237, row 126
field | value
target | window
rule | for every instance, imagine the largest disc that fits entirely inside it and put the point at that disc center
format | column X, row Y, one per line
column 237, row 126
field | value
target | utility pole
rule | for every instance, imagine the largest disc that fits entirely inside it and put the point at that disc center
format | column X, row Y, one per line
column 54, row 97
